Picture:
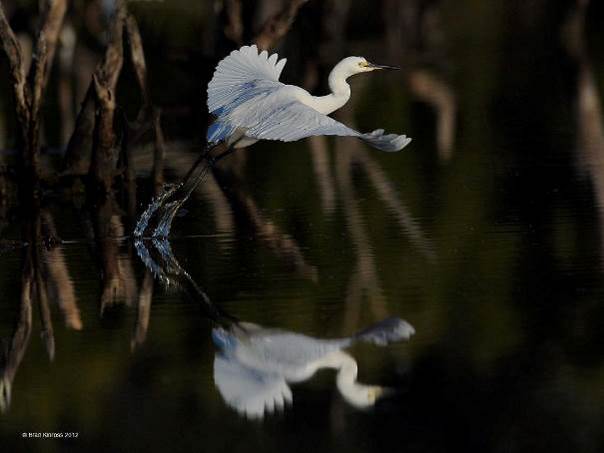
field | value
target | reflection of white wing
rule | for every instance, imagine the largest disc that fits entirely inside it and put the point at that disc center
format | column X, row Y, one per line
column 249, row 391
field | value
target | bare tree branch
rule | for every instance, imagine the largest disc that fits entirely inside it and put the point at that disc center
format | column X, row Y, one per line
column 103, row 146
column 28, row 93
column 81, row 138
column 12, row 51
column 159, row 150
column 234, row 27
column 52, row 21
column 105, row 81
column 106, row 75
column 137, row 56
column 111, row 66
column 440, row 96
column 277, row 26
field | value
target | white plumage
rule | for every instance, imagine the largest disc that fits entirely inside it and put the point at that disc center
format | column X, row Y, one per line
column 251, row 104
column 254, row 364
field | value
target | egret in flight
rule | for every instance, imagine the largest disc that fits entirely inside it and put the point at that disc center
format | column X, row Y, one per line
column 255, row 364
column 251, row 104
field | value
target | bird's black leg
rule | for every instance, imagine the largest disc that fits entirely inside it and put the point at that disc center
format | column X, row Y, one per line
column 165, row 206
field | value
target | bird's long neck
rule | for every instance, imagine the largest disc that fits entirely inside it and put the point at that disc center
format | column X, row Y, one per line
column 346, row 380
column 340, row 92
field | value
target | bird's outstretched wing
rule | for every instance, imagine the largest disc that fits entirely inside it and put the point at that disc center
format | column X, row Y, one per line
column 238, row 72
column 245, row 95
column 249, row 391
column 278, row 117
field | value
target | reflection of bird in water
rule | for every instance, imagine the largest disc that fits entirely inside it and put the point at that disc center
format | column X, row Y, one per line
column 255, row 364
column 251, row 104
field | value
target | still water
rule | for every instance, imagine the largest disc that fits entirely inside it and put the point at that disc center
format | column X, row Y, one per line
column 488, row 241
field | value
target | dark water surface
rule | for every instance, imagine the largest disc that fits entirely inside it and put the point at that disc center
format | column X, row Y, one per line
column 492, row 250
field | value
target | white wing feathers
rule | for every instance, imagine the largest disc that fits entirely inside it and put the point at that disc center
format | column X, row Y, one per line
column 245, row 94
column 291, row 120
column 236, row 72
column 249, row 391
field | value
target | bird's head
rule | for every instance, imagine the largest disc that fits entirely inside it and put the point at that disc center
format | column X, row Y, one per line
column 358, row 65
column 364, row 396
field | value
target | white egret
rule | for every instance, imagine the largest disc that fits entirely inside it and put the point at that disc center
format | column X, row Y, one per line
column 255, row 364
column 251, row 104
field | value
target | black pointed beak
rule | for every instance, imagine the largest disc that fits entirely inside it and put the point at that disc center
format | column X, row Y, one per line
column 381, row 66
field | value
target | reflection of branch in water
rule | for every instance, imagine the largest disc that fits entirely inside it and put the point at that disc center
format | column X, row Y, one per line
column 282, row 245
column 47, row 333
column 383, row 186
column 320, row 158
column 143, row 307
column 59, row 280
column 13, row 355
column 364, row 281
column 118, row 280
column 34, row 255
column 388, row 195
column 32, row 289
